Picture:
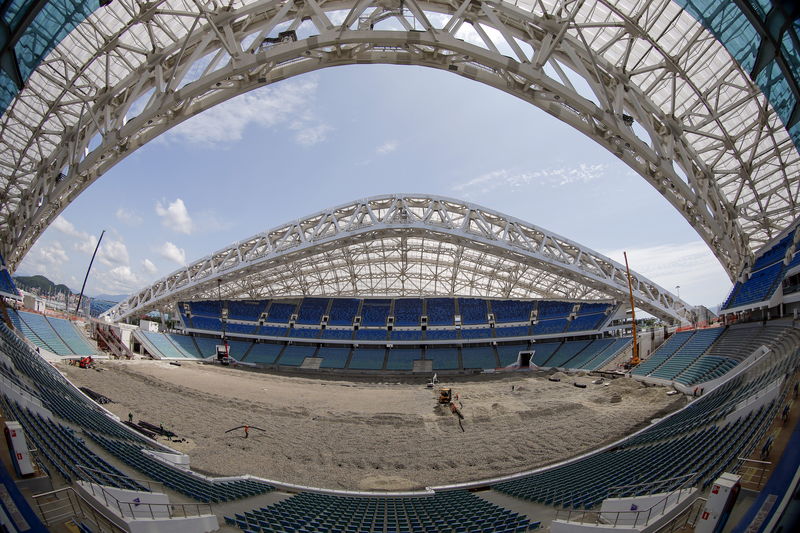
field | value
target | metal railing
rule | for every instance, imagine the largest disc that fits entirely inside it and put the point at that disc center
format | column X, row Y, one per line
column 60, row 506
column 137, row 509
column 633, row 518
column 152, row 486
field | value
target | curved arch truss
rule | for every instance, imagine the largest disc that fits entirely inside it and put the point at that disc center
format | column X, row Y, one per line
column 405, row 245
column 643, row 79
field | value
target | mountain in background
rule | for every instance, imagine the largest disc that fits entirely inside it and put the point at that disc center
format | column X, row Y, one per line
column 40, row 285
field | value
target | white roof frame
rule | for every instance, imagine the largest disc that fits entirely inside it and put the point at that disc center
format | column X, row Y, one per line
column 711, row 143
column 405, row 245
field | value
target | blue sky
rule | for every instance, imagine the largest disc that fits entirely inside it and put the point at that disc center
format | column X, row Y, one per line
column 326, row 138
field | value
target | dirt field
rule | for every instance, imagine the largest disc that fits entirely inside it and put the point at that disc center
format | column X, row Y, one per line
column 370, row 436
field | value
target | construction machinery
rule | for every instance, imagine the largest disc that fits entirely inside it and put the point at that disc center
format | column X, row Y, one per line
column 445, row 396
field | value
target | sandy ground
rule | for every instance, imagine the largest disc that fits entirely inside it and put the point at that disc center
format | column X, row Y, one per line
column 369, row 436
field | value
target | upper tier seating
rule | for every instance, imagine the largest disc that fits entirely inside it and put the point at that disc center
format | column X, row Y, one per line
column 774, row 254
column 587, row 322
column 512, row 310
column 280, row 312
column 343, row 311
column 311, row 310
column 473, row 310
column 7, row 285
column 375, row 312
column 548, row 309
column 440, row 311
column 407, row 311
column 211, row 308
column 406, row 335
column 548, row 327
column 759, row 287
column 245, row 309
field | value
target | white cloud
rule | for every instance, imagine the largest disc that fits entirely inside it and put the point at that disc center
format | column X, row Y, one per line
column 286, row 103
column 311, row 135
column 175, row 216
column 149, row 267
column 120, row 279
column 171, row 252
column 690, row 265
column 65, row 226
column 386, row 148
column 86, row 245
column 44, row 259
column 128, row 216
column 52, row 254
column 113, row 252
column 553, row 177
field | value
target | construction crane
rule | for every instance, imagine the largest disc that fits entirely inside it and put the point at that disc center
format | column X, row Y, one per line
column 635, row 352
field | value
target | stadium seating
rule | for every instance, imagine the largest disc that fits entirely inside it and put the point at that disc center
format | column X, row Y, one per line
column 684, row 356
column 473, row 310
column 371, row 334
column 245, row 310
column 549, row 327
column 7, row 285
column 587, row 322
column 244, row 329
column 341, row 334
column 264, row 353
column 509, row 353
column 343, row 311
column 454, row 511
column 39, row 331
column 542, row 352
column 294, row 355
column 407, row 311
column 551, row 309
column 333, row 357
column 208, row 308
column 774, row 254
column 401, row 358
column 303, row 333
column 311, row 310
column 664, row 352
column 443, row 358
column 759, row 287
column 367, row 358
column 476, row 333
column 375, row 312
column 206, row 324
column 565, row 353
column 441, row 334
column 405, row 335
column 185, row 344
column 478, row 357
column 512, row 331
column 161, row 346
column 507, row 311
column 602, row 352
column 440, row 311
column 69, row 333
column 280, row 312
